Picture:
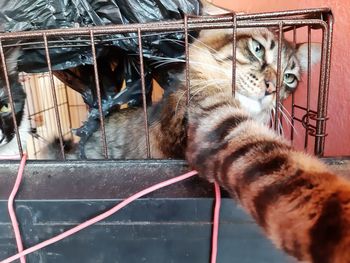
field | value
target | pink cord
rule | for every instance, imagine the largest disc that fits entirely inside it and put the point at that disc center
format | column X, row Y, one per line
column 10, row 203
column 10, row 157
column 99, row 217
column 102, row 216
column 215, row 233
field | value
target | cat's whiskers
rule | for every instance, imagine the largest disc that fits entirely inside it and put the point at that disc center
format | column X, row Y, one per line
column 279, row 122
column 205, row 86
column 286, row 111
column 213, row 53
column 215, row 68
column 207, row 82
column 198, row 82
column 286, row 115
column 164, row 61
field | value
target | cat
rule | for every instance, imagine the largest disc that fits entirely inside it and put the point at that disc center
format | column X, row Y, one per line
column 210, row 72
column 8, row 140
column 302, row 206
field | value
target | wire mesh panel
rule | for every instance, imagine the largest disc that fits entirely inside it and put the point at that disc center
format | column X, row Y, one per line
column 50, row 101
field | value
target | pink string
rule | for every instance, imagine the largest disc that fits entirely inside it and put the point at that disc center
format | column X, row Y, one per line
column 10, row 157
column 11, row 200
column 99, row 217
column 21, row 254
column 215, row 231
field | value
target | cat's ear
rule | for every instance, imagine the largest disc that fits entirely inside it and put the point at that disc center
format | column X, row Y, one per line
column 302, row 52
column 211, row 9
column 12, row 57
column 210, row 35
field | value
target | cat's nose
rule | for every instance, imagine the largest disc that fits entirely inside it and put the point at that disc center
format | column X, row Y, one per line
column 270, row 87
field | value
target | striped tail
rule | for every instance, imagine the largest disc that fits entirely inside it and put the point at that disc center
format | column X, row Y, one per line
column 300, row 204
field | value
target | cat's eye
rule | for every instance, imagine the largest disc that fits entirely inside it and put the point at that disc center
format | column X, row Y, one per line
column 289, row 78
column 5, row 109
column 258, row 49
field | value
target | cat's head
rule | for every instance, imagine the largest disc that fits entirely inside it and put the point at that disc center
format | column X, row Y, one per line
column 7, row 131
column 256, row 65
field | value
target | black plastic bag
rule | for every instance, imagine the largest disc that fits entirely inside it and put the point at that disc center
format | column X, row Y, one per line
column 73, row 64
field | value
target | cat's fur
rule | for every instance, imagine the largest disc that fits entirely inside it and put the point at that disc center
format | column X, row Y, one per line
column 8, row 140
column 210, row 72
column 302, row 206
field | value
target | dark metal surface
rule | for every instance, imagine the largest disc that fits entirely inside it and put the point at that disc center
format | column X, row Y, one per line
column 98, row 179
column 170, row 225
column 148, row 230
column 113, row 179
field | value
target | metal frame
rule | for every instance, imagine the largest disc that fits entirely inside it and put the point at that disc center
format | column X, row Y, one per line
column 283, row 21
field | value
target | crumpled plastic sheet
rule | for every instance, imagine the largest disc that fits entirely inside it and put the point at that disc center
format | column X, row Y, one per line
column 73, row 63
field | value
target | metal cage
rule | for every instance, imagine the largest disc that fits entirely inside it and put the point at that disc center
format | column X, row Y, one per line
column 313, row 119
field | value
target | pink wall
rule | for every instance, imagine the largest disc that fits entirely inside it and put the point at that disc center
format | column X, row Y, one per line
column 338, row 128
